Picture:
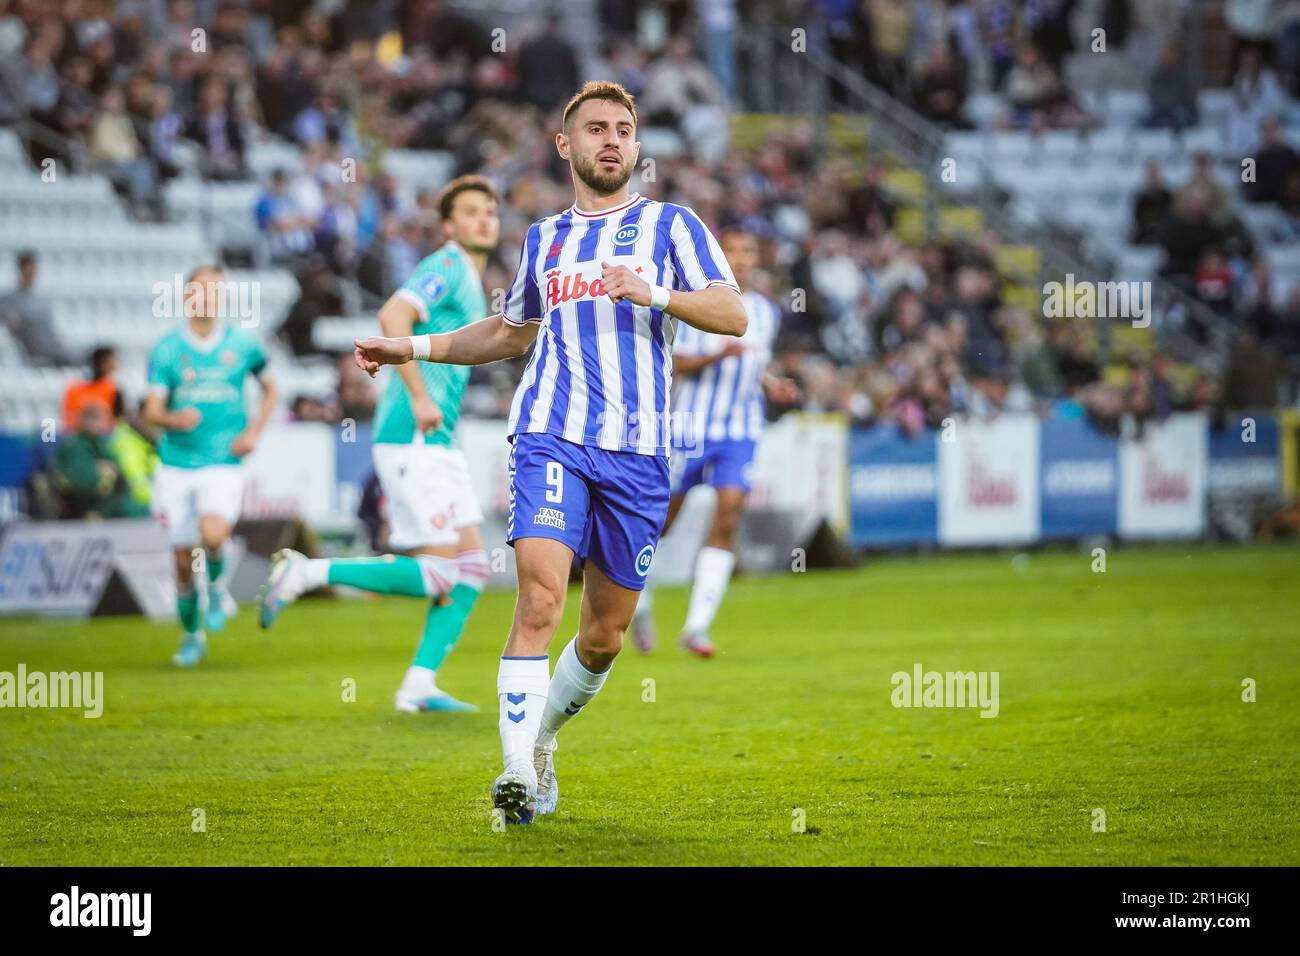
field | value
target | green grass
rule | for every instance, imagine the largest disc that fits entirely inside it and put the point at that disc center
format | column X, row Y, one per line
column 1120, row 691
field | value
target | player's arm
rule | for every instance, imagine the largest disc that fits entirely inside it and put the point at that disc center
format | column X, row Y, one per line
column 397, row 320
column 717, row 308
column 157, row 414
column 779, row 389
column 246, row 441
column 693, row 364
column 487, row 340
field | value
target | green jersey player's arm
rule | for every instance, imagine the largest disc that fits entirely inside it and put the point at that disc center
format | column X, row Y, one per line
column 246, row 441
column 397, row 319
column 487, row 340
column 162, row 380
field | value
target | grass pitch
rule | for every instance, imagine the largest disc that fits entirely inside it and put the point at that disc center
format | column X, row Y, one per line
column 1119, row 692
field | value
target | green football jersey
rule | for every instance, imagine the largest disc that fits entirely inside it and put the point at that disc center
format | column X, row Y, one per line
column 447, row 293
column 209, row 376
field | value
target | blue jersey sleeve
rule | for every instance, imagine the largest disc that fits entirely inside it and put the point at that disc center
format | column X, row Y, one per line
column 697, row 258
column 524, row 304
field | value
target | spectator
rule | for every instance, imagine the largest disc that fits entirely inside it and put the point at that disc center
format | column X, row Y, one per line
column 87, row 474
column 214, row 128
column 115, row 149
column 1173, row 102
column 1188, row 233
column 319, row 296
column 1256, row 95
column 1212, row 282
column 1031, row 86
column 891, row 24
column 941, row 89
column 288, row 233
column 717, row 20
column 548, row 67
column 165, row 126
column 1203, row 184
column 1151, row 207
column 682, row 93
column 100, row 388
column 1275, row 162
column 29, row 319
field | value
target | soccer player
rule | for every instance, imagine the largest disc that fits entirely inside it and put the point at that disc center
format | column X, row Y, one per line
column 719, row 402
column 433, row 513
column 598, row 295
column 196, row 396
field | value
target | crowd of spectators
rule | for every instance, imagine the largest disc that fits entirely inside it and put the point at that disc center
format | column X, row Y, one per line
column 880, row 330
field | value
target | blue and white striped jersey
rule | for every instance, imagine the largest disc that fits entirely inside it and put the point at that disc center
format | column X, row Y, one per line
column 725, row 400
column 600, row 374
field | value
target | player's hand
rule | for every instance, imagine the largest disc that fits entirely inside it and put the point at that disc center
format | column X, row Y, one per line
column 620, row 282
column 428, row 416
column 730, row 350
column 243, row 444
column 783, row 391
column 186, row 420
column 379, row 350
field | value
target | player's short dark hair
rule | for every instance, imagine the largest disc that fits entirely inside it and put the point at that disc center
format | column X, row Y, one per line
column 463, row 184
column 600, row 90
column 736, row 231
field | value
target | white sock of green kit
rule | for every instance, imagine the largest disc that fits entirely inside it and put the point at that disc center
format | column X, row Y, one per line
column 521, row 689
column 713, row 570
column 572, row 688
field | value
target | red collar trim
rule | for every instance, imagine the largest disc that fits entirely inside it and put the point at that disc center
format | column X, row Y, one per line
column 636, row 198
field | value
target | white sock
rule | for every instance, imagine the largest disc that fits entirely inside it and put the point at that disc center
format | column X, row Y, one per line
column 315, row 573
column 712, row 573
column 572, row 688
column 419, row 681
column 521, row 688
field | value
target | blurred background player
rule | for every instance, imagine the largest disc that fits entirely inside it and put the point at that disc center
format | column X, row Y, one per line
column 719, row 407
column 196, row 397
column 589, row 422
column 433, row 512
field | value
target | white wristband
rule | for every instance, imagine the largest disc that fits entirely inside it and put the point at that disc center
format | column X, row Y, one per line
column 659, row 297
column 421, row 347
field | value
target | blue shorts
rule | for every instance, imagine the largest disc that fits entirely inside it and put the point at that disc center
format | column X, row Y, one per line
column 608, row 506
column 722, row 464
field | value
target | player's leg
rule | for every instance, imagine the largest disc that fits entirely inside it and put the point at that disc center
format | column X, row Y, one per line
column 218, row 494
column 523, row 677
column 686, row 470
column 713, row 567
column 443, row 624
column 174, row 508
column 581, row 669
column 629, row 505
column 421, row 529
column 548, row 524
column 193, row 646
column 714, row 564
column 214, row 532
column 445, row 619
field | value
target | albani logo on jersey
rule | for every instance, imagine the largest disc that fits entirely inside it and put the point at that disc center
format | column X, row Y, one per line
column 561, row 288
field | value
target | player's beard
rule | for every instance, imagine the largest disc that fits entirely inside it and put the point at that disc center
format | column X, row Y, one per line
column 604, row 184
